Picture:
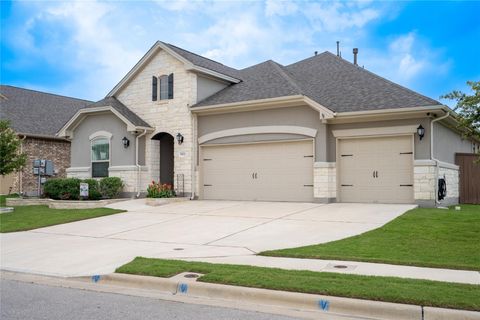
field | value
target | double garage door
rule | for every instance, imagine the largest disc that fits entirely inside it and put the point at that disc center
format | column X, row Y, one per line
column 376, row 169
column 280, row 171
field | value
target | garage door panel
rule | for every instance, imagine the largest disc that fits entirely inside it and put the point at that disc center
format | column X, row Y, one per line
column 280, row 171
column 379, row 170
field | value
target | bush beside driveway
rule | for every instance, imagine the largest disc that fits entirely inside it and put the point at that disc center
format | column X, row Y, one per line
column 424, row 237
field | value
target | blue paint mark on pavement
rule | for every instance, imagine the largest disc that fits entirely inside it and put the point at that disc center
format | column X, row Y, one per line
column 183, row 287
column 324, row 304
column 96, row 278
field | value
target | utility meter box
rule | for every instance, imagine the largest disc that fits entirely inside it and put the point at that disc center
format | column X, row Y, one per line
column 49, row 169
column 43, row 167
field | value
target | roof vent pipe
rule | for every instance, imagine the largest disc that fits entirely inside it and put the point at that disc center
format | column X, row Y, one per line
column 355, row 52
column 338, row 48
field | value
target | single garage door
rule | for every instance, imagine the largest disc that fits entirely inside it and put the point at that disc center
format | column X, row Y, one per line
column 280, row 171
column 376, row 169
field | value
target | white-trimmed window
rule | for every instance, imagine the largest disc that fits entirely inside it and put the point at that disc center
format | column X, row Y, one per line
column 164, row 85
column 100, row 156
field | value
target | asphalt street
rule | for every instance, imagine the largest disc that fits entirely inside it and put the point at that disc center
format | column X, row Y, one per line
column 20, row 300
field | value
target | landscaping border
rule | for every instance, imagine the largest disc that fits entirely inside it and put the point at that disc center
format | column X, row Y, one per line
column 62, row 204
column 154, row 202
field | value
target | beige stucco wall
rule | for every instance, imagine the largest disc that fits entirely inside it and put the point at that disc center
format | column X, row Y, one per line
column 422, row 148
column 119, row 156
column 172, row 116
column 447, row 142
column 302, row 116
column 207, row 86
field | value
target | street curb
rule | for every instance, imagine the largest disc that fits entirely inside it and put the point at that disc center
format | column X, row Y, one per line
column 301, row 301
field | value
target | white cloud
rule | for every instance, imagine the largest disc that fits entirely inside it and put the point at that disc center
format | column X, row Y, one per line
column 280, row 8
column 103, row 54
column 338, row 16
column 407, row 59
column 401, row 50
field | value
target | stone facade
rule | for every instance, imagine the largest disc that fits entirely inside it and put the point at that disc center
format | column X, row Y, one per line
column 129, row 175
column 451, row 174
column 39, row 148
column 171, row 116
column 425, row 172
column 324, row 181
column 424, row 181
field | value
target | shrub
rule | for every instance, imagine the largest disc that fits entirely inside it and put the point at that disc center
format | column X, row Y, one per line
column 160, row 190
column 110, row 187
column 62, row 188
column 93, row 189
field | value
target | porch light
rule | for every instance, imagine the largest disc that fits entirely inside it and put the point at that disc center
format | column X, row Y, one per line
column 179, row 138
column 125, row 142
column 420, row 132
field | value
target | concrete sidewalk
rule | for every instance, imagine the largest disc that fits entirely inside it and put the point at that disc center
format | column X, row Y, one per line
column 352, row 267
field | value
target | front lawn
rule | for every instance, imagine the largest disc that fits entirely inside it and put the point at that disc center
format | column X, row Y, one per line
column 32, row 217
column 436, row 238
column 390, row 289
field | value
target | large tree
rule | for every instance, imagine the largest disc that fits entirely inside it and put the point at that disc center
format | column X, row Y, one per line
column 468, row 109
column 11, row 159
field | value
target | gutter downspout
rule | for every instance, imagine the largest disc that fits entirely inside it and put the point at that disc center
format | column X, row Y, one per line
column 20, row 173
column 194, row 158
column 433, row 158
column 136, row 161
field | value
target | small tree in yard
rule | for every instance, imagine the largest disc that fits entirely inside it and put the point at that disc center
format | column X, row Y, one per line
column 468, row 108
column 11, row 159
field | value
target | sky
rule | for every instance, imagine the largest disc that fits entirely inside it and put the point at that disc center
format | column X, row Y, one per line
column 84, row 48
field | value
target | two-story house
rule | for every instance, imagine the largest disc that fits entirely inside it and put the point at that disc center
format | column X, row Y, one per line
column 321, row 129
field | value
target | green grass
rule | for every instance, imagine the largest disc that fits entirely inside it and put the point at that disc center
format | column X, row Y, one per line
column 3, row 198
column 32, row 217
column 409, row 291
column 436, row 238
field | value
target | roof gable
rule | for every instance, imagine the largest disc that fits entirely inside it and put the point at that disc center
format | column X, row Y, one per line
column 192, row 62
column 109, row 104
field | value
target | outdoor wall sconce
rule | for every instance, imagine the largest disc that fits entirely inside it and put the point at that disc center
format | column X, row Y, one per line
column 179, row 138
column 125, row 142
column 420, row 132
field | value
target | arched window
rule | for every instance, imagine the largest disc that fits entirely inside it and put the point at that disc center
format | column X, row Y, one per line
column 100, row 156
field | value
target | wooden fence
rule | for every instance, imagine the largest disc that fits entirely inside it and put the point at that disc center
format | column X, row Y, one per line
column 469, row 177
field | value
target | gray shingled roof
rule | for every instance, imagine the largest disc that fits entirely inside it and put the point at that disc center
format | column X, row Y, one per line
column 261, row 81
column 122, row 109
column 205, row 62
column 341, row 86
column 37, row 113
column 327, row 79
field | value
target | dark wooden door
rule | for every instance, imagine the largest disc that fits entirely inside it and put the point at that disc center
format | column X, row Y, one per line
column 469, row 177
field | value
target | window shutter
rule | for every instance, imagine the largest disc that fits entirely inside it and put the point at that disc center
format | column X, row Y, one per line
column 154, row 88
column 170, row 86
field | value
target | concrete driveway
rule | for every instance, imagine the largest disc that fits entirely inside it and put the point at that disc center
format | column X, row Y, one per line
column 193, row 229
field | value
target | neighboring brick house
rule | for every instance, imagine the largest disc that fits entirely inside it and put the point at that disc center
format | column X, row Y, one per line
column 36, row 117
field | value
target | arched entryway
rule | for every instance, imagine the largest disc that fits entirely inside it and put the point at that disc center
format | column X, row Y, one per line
column 166, row 156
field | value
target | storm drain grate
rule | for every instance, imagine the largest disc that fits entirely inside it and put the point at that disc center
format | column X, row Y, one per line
column 178, row 249
column 336, row 266
column 191, row 275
